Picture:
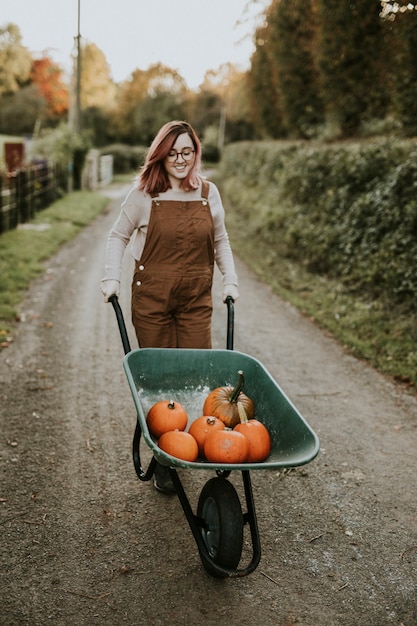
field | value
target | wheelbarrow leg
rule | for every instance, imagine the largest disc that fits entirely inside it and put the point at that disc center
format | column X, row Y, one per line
column 142, row 474
column 250, row 517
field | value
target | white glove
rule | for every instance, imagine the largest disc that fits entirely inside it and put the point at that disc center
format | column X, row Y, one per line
column 232, row 291
column 110, row 287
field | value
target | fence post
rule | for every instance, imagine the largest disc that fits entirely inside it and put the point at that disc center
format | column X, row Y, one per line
column 14, row 202
column 23, row 209
column 24, row 192
column 1, row 205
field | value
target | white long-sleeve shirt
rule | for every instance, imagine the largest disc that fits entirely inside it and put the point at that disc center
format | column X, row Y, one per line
column 132, row 225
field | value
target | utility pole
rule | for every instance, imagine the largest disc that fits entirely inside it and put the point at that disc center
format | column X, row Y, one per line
column 78, row 86
column 74, row 117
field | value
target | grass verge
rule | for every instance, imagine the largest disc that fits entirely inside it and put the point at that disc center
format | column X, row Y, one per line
column 24, row 250
column 373, row 331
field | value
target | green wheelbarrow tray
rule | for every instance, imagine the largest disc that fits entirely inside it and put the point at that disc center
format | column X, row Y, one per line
column 187, row 376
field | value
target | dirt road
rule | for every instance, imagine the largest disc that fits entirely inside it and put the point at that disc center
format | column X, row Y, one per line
column 84, row 542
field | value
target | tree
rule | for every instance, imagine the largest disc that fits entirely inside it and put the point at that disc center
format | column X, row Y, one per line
column 19, row 111
column 349, row 56
column 136, row 115
column 66, row 147
column 225, row 92
column 264, row 87
column 153, row 112
column 203, row 109
column 15, row 60
column 292, row 38
column 30, row 90
column 97, row 87
column 98, row 123
column 48, row 78
column 400, row 29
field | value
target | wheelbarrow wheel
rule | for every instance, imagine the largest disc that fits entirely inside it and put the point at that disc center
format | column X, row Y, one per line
column 220, row 510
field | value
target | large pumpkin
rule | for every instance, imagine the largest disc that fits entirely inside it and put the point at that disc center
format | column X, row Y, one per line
column 222, row 402
column 258, row 437
column 226, row 446
column 166, row 415
column 201, row 427
column 179, row 444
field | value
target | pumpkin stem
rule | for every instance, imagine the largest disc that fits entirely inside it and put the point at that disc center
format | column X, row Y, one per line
column 243, row 416
column 238, row 388
column 171, row 404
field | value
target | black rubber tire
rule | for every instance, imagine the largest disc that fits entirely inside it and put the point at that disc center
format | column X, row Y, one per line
column 219, row 506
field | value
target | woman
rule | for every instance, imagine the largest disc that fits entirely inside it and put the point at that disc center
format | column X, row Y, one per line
column 176, row 218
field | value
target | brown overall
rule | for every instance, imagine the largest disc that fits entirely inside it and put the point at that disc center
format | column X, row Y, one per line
column 171, row 288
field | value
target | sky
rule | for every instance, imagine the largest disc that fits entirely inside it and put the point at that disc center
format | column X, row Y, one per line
column 190, row 36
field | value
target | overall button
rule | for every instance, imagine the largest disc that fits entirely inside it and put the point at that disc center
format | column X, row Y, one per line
column 138, row 283
column 141, row 267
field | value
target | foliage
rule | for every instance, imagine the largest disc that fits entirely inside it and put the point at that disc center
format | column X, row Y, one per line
column 32, row 91
column 225, row 91
column 60, row 144
column 295, row 65
column 239, row 125
column 154, row 111
column 15, row 59
column 402, row 36
column 320, row 70
column 96, row 120
column 349, row 60
column 97, row 88
column 346, row 211
column 17, row 97
column 264, row 89
column 210, row 144
column 203, row 110
column 131, row 112
column 14, row 108
column 332, row 228
column 126, row 159
column 328, row 76
column 148, row 99
column 48, row 77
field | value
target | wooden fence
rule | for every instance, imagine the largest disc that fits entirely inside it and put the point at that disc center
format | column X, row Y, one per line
column 26, row 191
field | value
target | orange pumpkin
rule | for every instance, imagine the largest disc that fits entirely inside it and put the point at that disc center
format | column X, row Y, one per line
column 222, row 402
column 226, row 446
column 165, row 416
column 257, row 434
column 180, row 444
column 201, row 427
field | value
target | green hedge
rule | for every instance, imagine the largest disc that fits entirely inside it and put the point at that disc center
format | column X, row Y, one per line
column 348, row 211
column 126, row 159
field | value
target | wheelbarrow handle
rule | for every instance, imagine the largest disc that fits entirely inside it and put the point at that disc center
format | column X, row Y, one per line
column 121, row 323
column 125, row 339
column 230, row 322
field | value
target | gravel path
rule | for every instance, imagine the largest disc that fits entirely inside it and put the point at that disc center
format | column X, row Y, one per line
column 84, row 542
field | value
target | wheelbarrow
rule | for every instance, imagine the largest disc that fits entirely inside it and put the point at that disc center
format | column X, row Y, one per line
column 188, row 375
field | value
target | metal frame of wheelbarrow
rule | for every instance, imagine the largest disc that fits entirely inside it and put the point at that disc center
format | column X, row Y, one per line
column 218, row 525
column 197, row 523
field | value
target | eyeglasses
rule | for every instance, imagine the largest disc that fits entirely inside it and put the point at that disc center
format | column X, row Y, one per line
column 186, row 155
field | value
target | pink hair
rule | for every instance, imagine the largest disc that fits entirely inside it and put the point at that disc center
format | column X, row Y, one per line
column 153, row 177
